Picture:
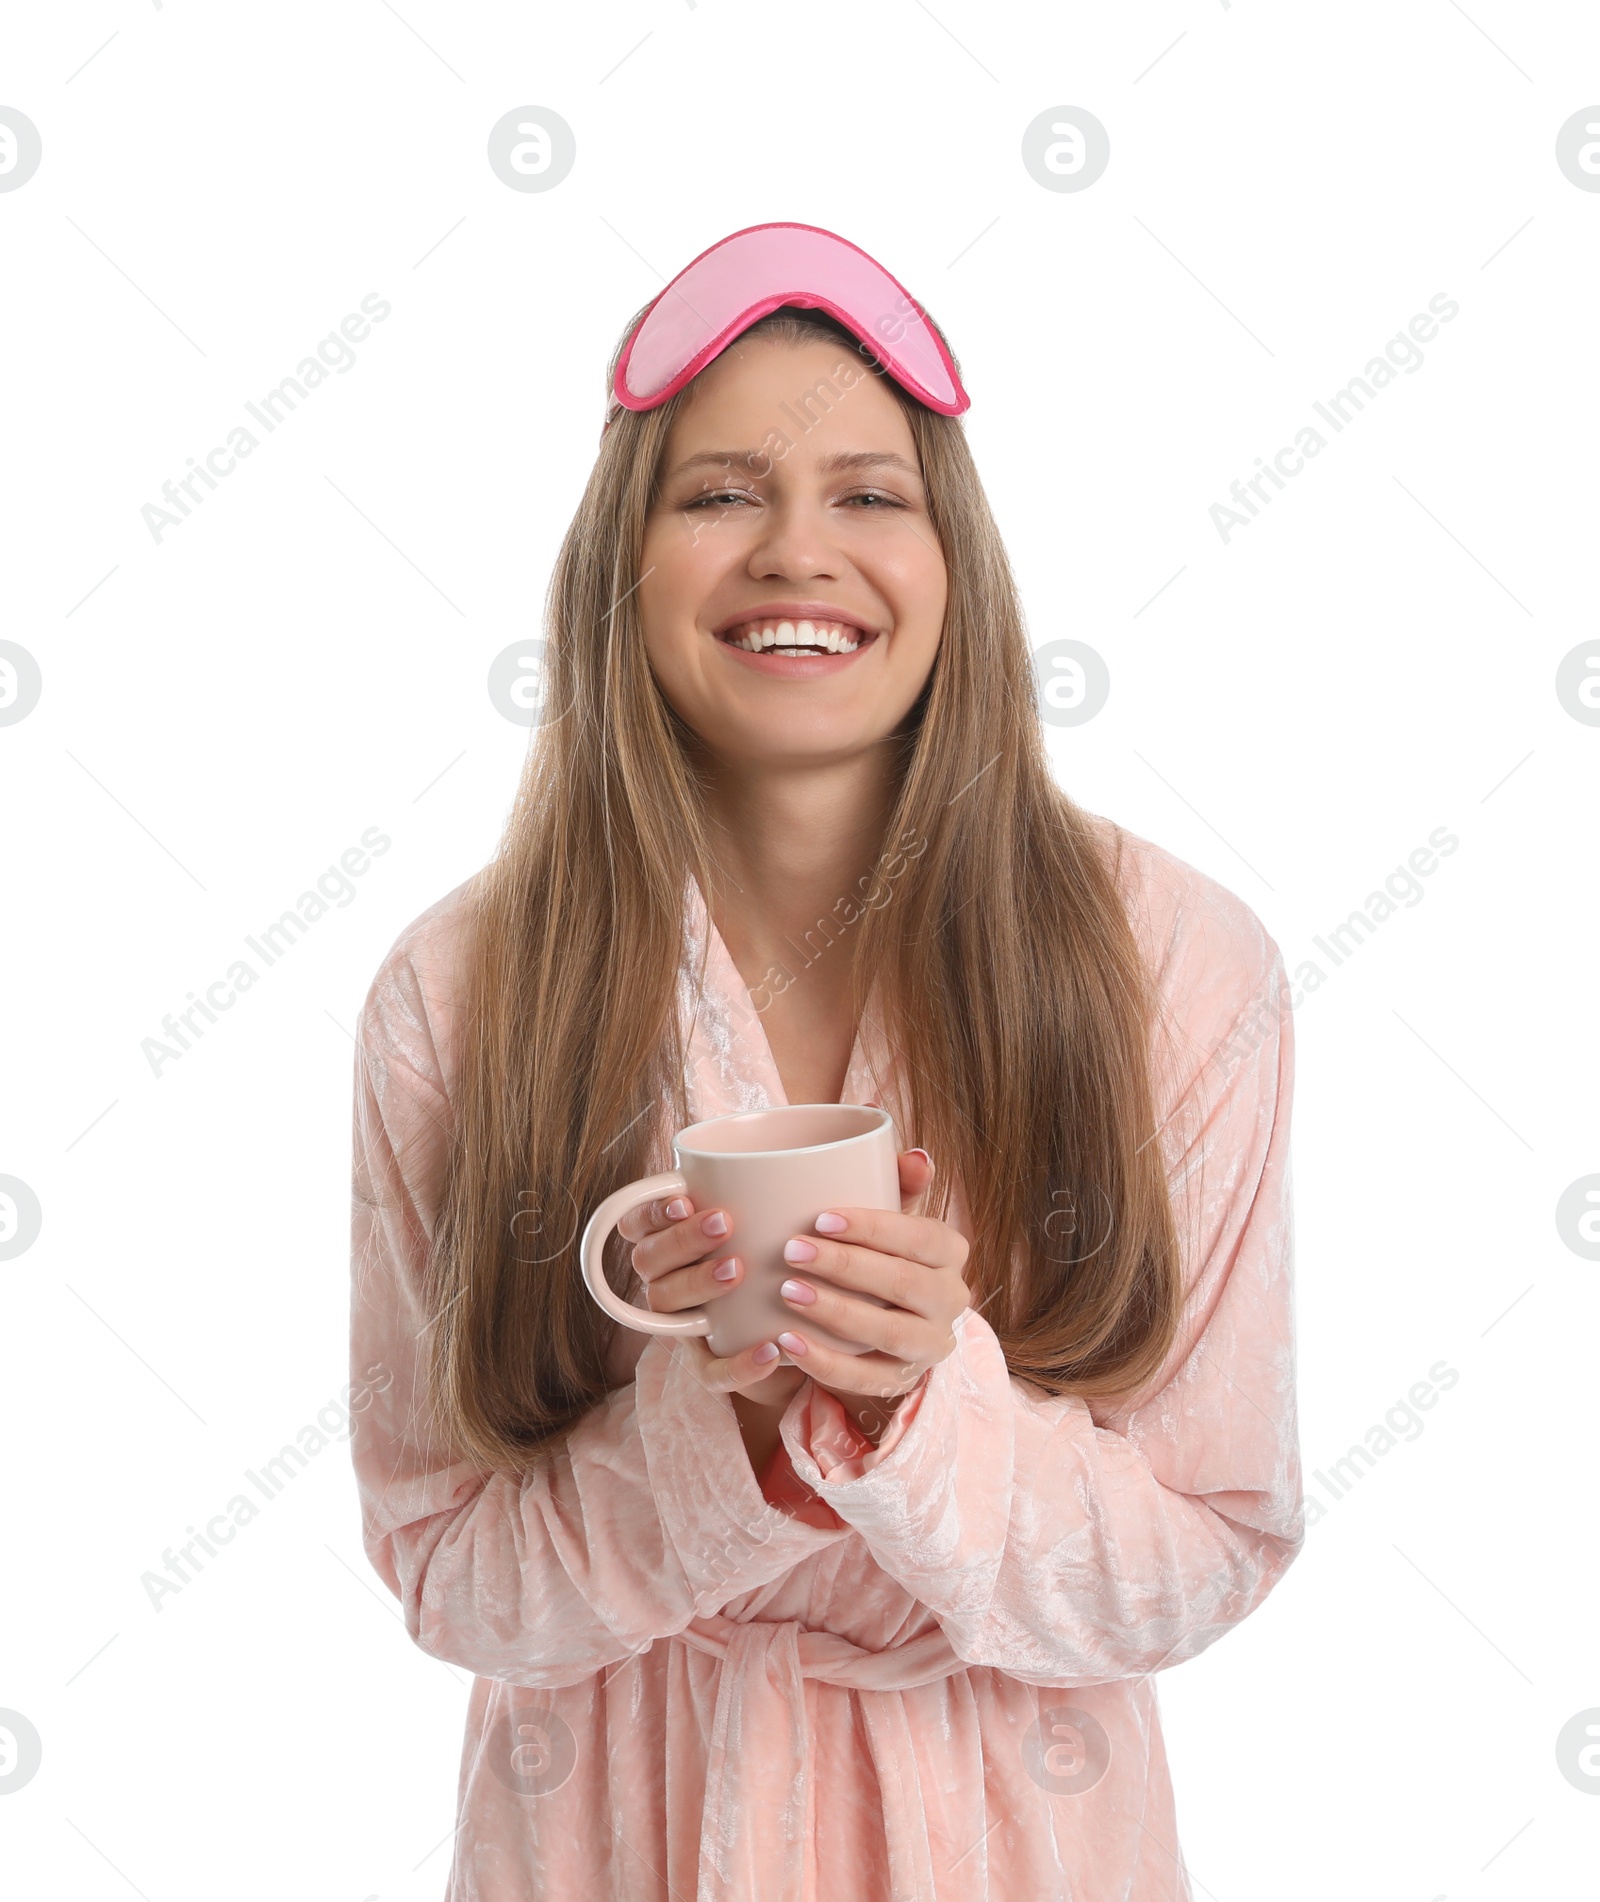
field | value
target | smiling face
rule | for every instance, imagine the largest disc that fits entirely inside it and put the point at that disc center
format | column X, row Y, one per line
column 794, row 588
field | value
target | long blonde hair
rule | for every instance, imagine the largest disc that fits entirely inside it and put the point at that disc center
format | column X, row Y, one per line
column 1012, row 990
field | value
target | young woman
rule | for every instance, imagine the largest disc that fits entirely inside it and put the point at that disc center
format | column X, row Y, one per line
column 799, row 1623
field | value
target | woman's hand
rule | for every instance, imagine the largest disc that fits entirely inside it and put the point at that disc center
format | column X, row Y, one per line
column 683, row 1259
column 913, row 1261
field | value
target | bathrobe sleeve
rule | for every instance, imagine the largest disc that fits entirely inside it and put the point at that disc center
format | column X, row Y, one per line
column 1055, row 1538
column 648, row 1517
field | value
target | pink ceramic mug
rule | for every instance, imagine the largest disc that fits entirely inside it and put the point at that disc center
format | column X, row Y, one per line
column 774, row 1171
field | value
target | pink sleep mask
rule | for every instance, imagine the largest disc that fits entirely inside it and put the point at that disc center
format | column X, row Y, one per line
column 746, row 275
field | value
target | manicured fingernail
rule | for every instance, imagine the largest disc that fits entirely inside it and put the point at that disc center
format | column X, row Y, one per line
column 799, row 1250
column 765, row 1352
column 716, row 1223
column 725, row 1270
column 793, row 1343
column 799, row 1291
column 677, row 1209
column 923, row 1154
column 830, row 1224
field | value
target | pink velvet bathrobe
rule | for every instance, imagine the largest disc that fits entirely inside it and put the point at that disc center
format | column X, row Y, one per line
column 921, row 1672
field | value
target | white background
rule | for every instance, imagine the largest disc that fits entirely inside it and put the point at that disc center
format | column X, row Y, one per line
column 225, row 711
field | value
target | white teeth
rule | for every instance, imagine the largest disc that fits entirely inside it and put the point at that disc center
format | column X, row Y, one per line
column 834, row 637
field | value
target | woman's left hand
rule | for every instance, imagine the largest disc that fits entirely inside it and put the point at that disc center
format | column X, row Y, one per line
column 913, row 1262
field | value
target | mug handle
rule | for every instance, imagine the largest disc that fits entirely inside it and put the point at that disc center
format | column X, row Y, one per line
column 600, row 1225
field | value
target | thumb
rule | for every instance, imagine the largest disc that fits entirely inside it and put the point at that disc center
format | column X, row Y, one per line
column 916, row 1172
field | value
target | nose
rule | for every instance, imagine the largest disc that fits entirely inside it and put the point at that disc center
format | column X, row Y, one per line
column 797, row 545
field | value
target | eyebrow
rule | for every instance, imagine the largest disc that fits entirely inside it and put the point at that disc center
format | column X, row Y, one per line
column 835, row 464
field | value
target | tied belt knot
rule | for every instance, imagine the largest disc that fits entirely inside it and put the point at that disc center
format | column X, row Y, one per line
column 752, row 1846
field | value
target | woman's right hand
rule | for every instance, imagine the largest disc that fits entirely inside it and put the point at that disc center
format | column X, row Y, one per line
column 677, row 1252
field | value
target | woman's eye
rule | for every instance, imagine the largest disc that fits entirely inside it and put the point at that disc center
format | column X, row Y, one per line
column 874, row 500
column 717, row 496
